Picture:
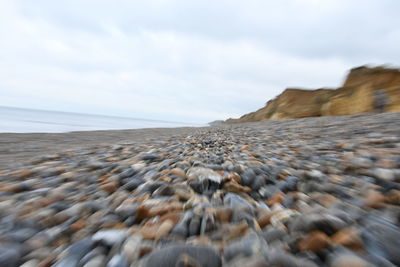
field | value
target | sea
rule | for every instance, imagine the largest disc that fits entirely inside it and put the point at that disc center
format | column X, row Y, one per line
column 22, row 120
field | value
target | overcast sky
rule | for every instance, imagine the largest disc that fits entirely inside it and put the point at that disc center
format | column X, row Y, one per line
column 189, row 61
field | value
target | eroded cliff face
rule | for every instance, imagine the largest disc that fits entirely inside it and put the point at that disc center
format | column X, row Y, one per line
column 355, row 96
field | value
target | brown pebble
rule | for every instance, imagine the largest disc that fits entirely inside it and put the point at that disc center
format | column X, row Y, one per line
column 68, row 176
column 161, row 210
column 110, row 187
column 178, row 172
column 348, row 237
column 223, row 214
column 264, row 218
column 22, row 174
column 142, row 213
column 144, row 251
column 314, row 241
column 164, row 229
column 374, row 199
column 393, row 197
column 173, row 216
column 236, row 188
column 235, row 177
column 147, row 232
column 237, row 230
column 276, row 199
column 326, row 200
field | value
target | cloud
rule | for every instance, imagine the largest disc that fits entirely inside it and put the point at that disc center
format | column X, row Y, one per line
column 192, row 61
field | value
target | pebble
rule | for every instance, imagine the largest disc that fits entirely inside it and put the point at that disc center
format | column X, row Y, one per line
column 170, row 255
column 96, row 261
column 305, row 192
column 348, row 237
column 110, row 237
column 10, row 255
column 374, row 199
column 314, row 241
column 249, row 245
column 349, row 260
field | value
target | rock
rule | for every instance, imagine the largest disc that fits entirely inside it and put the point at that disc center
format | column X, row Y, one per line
column 170, row 255
column 357, row 163
column 130, row 248
column 272, row 233
column 307, row 222
column 96, row 261
column 110, row 188
column 254, row 261
column 236, row 188
column 76, row 252
column 235, row 201
column 384, row 174
column 10, row 255
column 151, row 158
column 127, row 173
column 182, row 228
column 30, row 263
column 186, row 261
column 200, row 173
column 315, row 241
column 194, row 226
column 279, row 218
column 393, row 197
column 164, row 190
column 97, row 251
column 249, row 245
column 382, row 240
column 164, row 229
column 110, row 237
column 178, row 172
column 277, row 257
column 223, row 214
column 374, row 199
column 276, row 199
column 142, row 212
column 133, row 183
column 264, row 218
column 316, row 175
column 348, row 237
column 118, row 261
column 348, row 260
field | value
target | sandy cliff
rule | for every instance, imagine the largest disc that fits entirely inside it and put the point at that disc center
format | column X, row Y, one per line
column 355, row 96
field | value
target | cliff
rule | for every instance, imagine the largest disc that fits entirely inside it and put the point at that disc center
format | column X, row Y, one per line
column 355, row 96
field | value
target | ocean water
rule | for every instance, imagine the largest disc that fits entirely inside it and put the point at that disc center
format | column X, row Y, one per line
column 20, row 120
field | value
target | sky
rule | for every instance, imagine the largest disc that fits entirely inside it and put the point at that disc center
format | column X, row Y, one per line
column 189, row 61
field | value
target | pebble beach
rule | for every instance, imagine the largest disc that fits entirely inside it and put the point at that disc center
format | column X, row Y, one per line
column 300, row 192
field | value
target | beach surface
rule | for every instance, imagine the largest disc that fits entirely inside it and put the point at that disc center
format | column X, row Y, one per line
column 301, row 192
column 17, row 148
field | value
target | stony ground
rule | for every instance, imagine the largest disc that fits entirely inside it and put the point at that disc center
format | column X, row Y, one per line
column 307, row 192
